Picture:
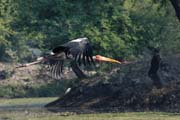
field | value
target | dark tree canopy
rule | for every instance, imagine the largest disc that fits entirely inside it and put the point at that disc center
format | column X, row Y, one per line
column 176, row 5
column 121, row 28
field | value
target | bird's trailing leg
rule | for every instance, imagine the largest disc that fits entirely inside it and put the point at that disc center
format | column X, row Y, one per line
column 40, row 59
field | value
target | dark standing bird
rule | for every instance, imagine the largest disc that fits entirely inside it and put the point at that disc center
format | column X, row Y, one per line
column 78, row 52
column 153, row 71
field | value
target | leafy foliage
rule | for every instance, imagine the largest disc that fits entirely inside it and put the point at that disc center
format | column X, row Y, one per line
column 116, row 28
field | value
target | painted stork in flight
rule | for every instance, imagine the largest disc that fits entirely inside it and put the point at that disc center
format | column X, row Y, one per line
column 78, row 52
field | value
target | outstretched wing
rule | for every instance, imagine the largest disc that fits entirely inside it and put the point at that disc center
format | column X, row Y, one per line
column 55, row 68
column 77, row 70
column 79, row 49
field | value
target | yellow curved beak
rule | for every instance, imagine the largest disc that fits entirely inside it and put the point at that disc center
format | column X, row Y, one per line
column 106, row 59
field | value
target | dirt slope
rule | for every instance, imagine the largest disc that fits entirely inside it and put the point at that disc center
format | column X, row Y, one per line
column 126, row 88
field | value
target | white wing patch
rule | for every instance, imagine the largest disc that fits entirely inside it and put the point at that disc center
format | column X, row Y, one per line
column 79, row 39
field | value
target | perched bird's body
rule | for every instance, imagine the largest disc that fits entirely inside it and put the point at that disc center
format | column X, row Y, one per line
column 78, row 52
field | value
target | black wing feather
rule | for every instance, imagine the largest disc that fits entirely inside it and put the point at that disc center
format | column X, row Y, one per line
column 55, row 67
column 59, row 49
column 77, row 70
column 81, row 51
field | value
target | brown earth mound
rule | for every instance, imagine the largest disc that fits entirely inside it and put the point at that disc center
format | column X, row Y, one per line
column 127, row 88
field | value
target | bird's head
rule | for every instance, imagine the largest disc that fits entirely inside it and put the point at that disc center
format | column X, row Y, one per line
column 106, row 59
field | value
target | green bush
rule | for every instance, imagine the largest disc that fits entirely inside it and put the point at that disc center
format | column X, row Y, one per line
column 116, row 28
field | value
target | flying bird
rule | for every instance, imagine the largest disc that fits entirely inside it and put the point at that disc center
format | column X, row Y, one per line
column 78, row 52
